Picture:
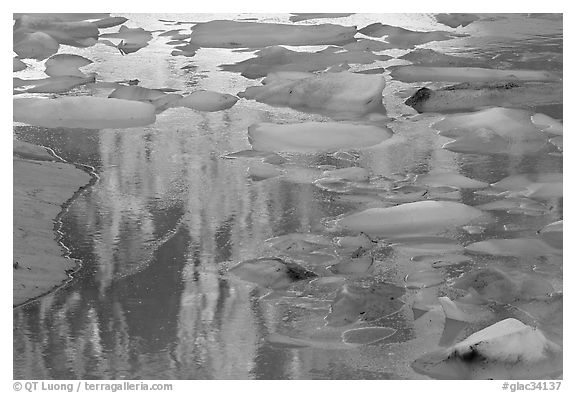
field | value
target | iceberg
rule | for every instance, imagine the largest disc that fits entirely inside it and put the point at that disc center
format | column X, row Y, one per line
column 314, row 137
column 83, row 112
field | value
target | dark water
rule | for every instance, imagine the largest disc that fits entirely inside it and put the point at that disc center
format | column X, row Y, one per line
column 168, row 218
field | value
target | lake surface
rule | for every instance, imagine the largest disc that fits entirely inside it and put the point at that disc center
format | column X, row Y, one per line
column 169, row 216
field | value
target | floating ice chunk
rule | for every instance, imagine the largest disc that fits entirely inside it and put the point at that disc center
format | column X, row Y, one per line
column 455, row 20
column 547, row 123
column 483, row 94
column 479, row 141
column 66, row 65
column 411, row 219
column 491, row 284
column 277, row 58
column 110, row 22
column 508, row 349
column 232, row 34
column 532, row 185
column 360, row 263
column 136, row 93
column 340, row 93
column 512, row 247
column 350, row 173
column 450, row 180
column 423, row 279
column 552, row 234
column 367, row 335
column 83, row 112
column 364, row 44
column 430, row 57
column 53, row 84
column 353, row 303
column 274, row 273
column 314, row 137
column 206, row 101
column 263, row 170
column 74, row 33
column 439, row 261
column 132, row 39
column 403, row 38
column 467, row 74
column 516, row 204
column 493, row 130
column 18, row 65
column 305, row 16
column 34, row 45
column 188, row 50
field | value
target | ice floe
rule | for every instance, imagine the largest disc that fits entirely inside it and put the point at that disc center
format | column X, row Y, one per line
column 404, row 38
column 456, row 20
column 53, row 84
column 552, row 234
column 83, row 112
column 274, row 273
column 491, row 131
column 313, row 137
column 306, row 16
column 66, row 65
column 367, row 335
column 232, row 34
column 34, row 45
column 411, row 219
column 132, row 39
column 449, row 179
column 206, row 101
column 277, row 58
column 521, row 247
column 354, row 302
column 341, row 94
column 468, row 74
column 481, row 94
